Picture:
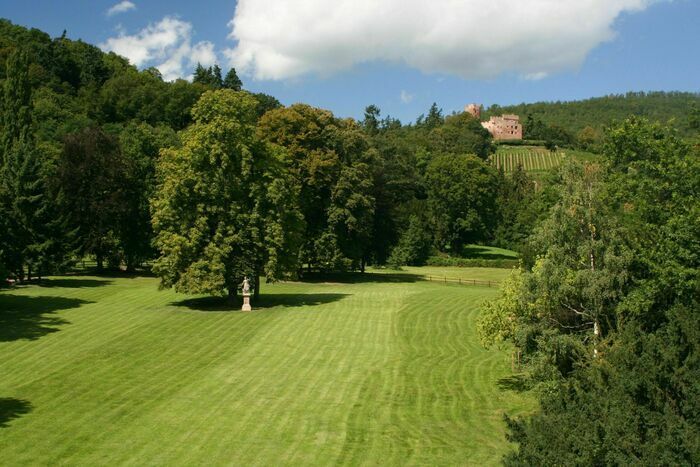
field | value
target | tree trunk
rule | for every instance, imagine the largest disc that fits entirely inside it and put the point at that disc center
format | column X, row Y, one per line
column 596, row 336
column 100, row 262
column 362, row 265
column 130, row 264
column 29, row 272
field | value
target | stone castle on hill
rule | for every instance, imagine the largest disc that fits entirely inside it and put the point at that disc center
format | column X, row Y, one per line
column 506, row 126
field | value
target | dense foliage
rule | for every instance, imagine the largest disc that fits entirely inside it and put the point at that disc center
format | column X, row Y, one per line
column 224, row 208
column 606, row 320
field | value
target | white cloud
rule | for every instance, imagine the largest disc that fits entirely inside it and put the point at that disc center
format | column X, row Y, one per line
column 167, row 45
column 406, row 97
column 280, row 39
column 121, row 7
column 536, row 76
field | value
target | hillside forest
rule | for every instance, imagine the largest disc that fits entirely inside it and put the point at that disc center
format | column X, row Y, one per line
column 205, row 183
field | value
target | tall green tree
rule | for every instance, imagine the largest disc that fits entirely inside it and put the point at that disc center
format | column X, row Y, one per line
column 352, row 211
column 91, row 178
column 330, row 160
column 462, row 192
column 140, row 144
column 461, row 134
column 371, row 120
column 566, row 306
column 637, row 406
column 35, row 234
column 210, row 76
column 232, row 81
column 224, row 208
column 414, row 245
column 434, row 118
column 15, row 139
column 42, row 232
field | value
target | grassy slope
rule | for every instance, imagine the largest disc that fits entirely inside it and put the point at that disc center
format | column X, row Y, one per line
column 100, row 370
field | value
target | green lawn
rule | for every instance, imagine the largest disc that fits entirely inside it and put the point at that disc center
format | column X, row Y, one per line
column 379, row 370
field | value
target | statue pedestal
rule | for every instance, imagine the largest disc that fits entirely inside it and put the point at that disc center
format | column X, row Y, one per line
column 246, row 303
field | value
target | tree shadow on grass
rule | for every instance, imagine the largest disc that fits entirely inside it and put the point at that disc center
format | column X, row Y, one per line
column 23, row 317
column 265, row 301
column 73, row 283
column 11, row 409
column 516, row 383
column 359, row 277
column 119, row 274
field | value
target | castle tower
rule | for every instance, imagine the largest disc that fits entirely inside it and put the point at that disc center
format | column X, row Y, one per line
column 474, row 110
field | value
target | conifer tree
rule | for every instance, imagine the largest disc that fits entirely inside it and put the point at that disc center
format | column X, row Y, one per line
column 16, row 123
column 232, row 81
column 34, row 231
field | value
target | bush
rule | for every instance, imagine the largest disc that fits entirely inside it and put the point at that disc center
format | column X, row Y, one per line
column 414, row 245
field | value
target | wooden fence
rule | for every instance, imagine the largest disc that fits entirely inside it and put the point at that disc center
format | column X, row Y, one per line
column 440, row 279
column 460, row 281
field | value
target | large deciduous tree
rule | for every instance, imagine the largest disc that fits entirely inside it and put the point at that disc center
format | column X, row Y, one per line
column 329, row 161
column 462, row 192
column 224, row 208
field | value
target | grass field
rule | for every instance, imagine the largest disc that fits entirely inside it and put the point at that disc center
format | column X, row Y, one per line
column 535, row 158
column 377, row 370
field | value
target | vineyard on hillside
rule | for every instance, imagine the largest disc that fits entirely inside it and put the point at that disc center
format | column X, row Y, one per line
column 534, row 158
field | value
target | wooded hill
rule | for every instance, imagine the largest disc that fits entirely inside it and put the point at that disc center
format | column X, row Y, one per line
column 680, row 109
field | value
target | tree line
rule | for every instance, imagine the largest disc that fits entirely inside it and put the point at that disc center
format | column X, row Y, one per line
column 93, row 150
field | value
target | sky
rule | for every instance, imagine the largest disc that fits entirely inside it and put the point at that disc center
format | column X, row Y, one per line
column 401, row 55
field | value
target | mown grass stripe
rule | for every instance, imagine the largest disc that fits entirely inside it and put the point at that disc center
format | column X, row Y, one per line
column 381, row 372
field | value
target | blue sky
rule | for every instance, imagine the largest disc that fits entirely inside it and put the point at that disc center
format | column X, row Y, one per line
column 401, row 56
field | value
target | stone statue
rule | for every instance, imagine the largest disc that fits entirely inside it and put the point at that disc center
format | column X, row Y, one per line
column 246, row 295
